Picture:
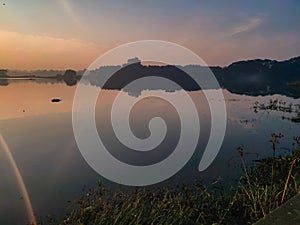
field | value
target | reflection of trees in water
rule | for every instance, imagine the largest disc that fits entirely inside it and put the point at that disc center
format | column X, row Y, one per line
column 119, row 78
column 252, row 77
column 70, row 78
column 52, row 80
column 4, row 82
column 3, row 73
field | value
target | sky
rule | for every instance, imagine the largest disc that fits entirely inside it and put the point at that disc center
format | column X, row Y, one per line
column 61, row 34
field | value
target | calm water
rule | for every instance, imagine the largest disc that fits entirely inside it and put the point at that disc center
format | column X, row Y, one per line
column 40, row 137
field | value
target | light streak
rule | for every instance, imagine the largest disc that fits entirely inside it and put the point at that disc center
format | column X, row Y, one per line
column 20, row 181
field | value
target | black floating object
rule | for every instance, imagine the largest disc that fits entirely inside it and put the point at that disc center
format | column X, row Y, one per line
column 55, row 100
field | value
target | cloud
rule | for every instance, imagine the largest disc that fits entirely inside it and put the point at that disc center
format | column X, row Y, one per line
column 25, row 51
column 250, row 25
column 238, row 29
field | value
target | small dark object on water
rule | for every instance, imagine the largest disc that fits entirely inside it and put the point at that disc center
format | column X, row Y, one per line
column 296, row 119
column 55, row 100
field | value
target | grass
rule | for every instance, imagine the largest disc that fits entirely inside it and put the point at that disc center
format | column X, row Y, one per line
column 262, row 188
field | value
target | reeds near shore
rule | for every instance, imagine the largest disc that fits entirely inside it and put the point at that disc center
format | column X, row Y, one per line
column 262, row 188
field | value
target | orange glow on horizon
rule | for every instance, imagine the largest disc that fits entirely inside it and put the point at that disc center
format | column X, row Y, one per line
column 28, row 52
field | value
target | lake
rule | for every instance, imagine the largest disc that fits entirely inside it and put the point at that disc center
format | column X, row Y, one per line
column 40, row 137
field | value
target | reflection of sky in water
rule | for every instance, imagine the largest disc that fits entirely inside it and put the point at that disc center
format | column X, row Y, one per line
column 42, row 142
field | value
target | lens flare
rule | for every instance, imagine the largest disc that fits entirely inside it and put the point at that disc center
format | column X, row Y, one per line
column 20, row 181
column 69, row 10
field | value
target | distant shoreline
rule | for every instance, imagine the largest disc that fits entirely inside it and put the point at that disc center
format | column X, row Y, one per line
column 25, row 78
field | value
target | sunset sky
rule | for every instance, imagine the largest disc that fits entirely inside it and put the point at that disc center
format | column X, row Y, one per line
column 60, row 34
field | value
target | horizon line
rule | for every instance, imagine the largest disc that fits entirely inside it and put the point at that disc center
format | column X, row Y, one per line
column 82, row 69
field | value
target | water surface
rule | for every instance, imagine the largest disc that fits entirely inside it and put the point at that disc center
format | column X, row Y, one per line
column 40, row 137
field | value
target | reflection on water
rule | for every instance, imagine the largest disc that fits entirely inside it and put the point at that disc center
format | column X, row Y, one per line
column 27, row 98
column 39, row 134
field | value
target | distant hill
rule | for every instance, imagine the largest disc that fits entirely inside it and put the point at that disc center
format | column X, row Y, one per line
column 251, row 77
column 261, row 76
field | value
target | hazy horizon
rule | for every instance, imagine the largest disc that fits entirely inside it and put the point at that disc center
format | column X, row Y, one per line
column 13, row 71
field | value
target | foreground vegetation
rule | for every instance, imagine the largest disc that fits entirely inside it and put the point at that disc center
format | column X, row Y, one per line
column 262, row 188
